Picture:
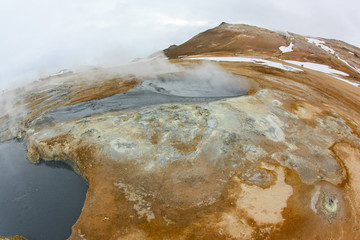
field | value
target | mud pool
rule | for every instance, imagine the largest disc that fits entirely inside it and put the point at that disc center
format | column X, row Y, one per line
column 165, row 89
column 39, row 202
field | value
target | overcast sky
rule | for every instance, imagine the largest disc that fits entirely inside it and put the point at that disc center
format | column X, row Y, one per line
column 40, row 37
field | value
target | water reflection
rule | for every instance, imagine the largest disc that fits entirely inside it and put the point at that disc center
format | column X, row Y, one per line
column 58, row 164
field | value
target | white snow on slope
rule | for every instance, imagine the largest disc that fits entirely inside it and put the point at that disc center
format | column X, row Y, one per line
column 320, row 43
column 285, row 49
column 313, row 66
column 325, row 69
column 250, row 60
column 344, row 80
column 354, row 68
column 317, row 67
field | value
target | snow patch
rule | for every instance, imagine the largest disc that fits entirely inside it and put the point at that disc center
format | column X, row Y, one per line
column 320, row 43
column 344, row 80
column 250, row 60
column 325, row 69
column 317, row 67
column 285, row 49
column 354, row 68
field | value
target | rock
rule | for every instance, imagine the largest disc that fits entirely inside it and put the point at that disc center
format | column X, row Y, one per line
column 17, row 237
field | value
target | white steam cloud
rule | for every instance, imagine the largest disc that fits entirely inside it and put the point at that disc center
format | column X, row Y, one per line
column 39, row 37
column 199, row 80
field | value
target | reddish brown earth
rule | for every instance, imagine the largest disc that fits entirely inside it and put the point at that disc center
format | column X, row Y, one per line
column 13, row 238
column 240, row 39
column 281, row 163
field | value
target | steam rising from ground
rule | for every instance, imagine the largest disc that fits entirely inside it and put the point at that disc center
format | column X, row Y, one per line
column 158, row 75
column 206, row 80
column 46, row 36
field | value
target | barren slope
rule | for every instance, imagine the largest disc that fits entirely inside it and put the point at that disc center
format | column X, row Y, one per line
column 244, row 40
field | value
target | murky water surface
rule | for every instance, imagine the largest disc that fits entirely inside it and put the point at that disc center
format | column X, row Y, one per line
column 40, row 202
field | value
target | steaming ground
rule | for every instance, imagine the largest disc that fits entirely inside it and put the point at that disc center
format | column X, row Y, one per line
column 277, row 163
column 166, row 89
column 155, row 81
column 10, row 96
column 206, row 80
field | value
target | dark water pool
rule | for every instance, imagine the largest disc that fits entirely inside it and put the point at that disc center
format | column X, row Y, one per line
column 40, row 202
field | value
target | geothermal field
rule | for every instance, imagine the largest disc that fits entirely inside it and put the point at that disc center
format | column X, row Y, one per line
column 238, row 133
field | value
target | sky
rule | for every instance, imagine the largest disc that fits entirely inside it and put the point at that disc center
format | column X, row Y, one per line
column 41, row 37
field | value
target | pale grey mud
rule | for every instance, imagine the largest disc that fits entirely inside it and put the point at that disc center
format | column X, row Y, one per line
column 169, row 88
